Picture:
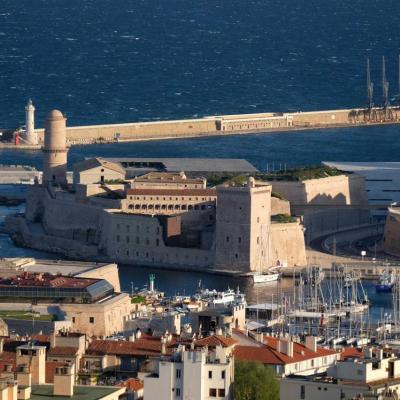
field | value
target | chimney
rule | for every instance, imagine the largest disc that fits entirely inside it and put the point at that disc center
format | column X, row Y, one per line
column 131, row 338
column 368, row 352
column 64, row 379
column 163, row 345
column 287, row 347
column 379, row 353
column 53, row 339
column 278, row 346
column 311, row 343
column 24, row 377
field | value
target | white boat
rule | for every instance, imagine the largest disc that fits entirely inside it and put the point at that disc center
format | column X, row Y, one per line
column 362, row 341
column 266, row 277
column 338, row 340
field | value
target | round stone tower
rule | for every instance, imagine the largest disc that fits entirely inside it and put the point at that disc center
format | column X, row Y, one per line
column 30, row 134
column 55, row 149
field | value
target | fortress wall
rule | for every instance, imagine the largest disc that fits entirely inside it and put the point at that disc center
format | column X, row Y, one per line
column 138, row 240
column 329, row 117
column 324, row 222
column 71, row 219
column 391, row 240
column 333, row 190
column 287, row 245
column 279, row 206
column 342, row 189
column 292, row 191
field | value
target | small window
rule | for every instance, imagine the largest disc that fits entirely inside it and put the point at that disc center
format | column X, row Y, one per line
column 178, row 374
column 178, row 392
column 227, row 239
column 73, row 320
column 91, row 320
column 221, row 392
column 222, row 374
column 209, row 374
column 213, row 392
column 302, row 392
column 239, row 240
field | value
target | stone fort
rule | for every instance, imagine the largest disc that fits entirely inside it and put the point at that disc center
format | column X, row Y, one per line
column 158, row 219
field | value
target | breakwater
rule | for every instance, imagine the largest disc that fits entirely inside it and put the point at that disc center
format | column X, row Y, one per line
column 223, row 125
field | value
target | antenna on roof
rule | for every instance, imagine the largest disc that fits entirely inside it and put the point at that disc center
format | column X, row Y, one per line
column 385, row 85
column 370, row 89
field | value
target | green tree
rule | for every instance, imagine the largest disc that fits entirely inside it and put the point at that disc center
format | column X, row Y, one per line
column 254, row 381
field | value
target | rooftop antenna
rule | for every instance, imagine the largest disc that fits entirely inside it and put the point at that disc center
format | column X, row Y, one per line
column 370, row 88
column 385, row 86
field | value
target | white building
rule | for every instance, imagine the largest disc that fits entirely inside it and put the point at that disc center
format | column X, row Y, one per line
column 196, row 374
column 373, row 375
column 382, row 180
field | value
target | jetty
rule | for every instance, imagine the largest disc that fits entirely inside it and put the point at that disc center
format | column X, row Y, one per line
column 219, row 126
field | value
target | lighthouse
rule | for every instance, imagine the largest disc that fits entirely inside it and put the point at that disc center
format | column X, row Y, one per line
column 30, row 134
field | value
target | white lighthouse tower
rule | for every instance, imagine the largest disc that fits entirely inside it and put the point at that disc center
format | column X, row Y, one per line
column 30, row 134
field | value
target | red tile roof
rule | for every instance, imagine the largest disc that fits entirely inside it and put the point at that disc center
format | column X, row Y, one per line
column 145, row 346
column 63, row 351
column 216, row 340
column 171, row 192
column 133, row 384
column 351, row 352
column 268, row 354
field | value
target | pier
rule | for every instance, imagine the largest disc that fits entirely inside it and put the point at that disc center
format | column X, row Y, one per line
column 221, row 126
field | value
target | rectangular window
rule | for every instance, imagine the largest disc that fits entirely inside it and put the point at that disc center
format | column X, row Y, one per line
column 227, row 239
column 302, row 392
column 222, row 374
column 239, row 239
column 73, row 320
column 127, row 239
column 213, row 392
column 137, row 240
column 178, row 392
column 209, row 374
column 178, row 374
column 157, row 242
column 91, row 320
column 221, row 392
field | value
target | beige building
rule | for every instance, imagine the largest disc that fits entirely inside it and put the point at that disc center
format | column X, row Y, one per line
column 170, row 180
column 97, row 170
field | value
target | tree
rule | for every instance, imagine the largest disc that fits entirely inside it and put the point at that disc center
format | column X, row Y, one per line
column 254, row 381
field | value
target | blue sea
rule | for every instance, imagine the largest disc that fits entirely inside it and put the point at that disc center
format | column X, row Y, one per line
column 108, row 61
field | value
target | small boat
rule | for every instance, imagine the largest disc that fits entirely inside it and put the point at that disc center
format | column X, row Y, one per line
column 362, row 341
column 351, row 341
column 348, row 281
column 386, row 283
column 338, row 340
column 265, row 277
